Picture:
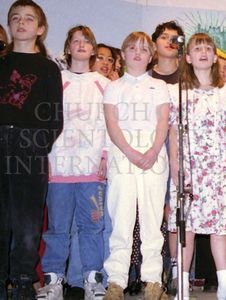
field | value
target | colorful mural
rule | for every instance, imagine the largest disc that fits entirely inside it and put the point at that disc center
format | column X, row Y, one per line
column 213, row 23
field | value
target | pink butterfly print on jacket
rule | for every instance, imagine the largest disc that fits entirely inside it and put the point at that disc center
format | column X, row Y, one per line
column 18, row 89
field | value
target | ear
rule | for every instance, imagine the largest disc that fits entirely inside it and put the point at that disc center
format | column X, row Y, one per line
column 41, row 30
column 215, row 59
column 123, row 55
column 150, row 59
column 188, row 59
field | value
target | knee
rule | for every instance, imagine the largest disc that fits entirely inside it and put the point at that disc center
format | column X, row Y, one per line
column 94, row 226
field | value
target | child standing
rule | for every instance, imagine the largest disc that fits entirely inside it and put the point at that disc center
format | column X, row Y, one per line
column 78, row 171
column 104, row 64
column 204, row 155
column 30, row 121
column 167, row 69
column 136, row 112
column 166, row 66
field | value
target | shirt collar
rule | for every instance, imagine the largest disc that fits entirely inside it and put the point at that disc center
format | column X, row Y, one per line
column 138, row 78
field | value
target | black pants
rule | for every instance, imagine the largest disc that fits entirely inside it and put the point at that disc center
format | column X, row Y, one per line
column 23, row 186
column 205, row 266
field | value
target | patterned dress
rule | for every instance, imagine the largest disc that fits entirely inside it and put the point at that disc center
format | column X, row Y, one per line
column 204, row 159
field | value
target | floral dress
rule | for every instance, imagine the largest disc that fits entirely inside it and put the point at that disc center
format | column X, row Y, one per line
column 204, row 146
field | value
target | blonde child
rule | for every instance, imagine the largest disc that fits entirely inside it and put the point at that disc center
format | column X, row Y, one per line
column 136, row 111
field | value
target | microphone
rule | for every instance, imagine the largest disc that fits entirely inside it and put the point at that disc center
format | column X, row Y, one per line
column 177, row 40
column 2, row 45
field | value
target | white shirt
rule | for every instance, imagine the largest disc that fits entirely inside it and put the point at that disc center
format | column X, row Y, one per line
column 137, row 99
column 77, row 151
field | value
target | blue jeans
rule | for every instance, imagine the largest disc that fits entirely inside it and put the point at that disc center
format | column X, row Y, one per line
column 74, row 270
column 85, row 201
column 74, row 275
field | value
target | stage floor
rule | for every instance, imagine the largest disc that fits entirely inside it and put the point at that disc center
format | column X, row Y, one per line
column 195, row 295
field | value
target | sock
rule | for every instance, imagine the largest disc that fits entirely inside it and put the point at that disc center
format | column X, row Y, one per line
column 186, row 284
column 221, row 291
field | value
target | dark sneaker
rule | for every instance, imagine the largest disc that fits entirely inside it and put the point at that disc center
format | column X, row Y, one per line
column 172, row 287
column 3, row 295
column 74, row 293
column 171, row 279
column 23, row 289
column 135, row 287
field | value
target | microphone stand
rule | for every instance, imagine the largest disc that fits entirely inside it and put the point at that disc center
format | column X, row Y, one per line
column 180, row 220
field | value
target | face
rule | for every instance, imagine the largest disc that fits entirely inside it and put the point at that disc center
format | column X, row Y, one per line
column 222, row 65
column 80, row 47
column 201, row 56
column 23, row 24
column 118, row 64
column 104, row 61
column 137, row 56
column 163, row 44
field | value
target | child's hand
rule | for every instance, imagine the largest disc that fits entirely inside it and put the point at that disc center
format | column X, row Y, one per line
column 113, row 75
column 102, row 172
column 149, row 158
column 134, row 157
column 49, row 170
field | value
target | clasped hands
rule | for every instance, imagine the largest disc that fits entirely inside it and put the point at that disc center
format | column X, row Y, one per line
column 144, row 160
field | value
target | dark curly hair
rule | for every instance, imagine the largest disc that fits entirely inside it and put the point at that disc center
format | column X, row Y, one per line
column 167, row 25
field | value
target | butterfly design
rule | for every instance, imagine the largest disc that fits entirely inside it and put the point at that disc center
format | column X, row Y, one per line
column 18, row 89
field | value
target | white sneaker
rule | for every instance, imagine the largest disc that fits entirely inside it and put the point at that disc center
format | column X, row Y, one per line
column 94, row 289
column 53, row 290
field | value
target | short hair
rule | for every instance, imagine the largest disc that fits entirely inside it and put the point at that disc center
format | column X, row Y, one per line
column 88, row 34
column 134, row 37
column 42, row 21
column 173, row 25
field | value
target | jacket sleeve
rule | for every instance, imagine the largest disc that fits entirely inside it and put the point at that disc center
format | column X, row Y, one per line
column 55, row 95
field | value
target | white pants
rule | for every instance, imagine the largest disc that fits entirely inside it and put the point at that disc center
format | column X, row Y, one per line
column 127, row 185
